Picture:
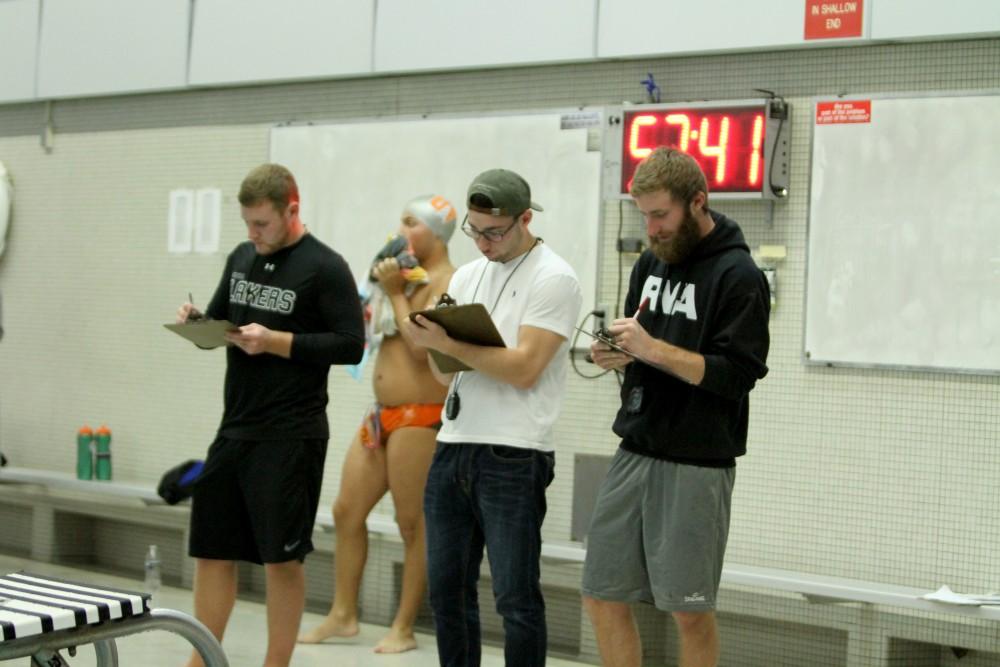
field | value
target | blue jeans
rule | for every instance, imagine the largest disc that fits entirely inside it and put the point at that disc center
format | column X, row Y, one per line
column 492, row 496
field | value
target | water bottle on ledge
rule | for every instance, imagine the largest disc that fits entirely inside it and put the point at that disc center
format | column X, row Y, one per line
column 103, row 438
column 84, row 453
column 152, row 578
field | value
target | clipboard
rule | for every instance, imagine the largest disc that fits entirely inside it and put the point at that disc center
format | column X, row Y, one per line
column 470, row 323
column 204, row 333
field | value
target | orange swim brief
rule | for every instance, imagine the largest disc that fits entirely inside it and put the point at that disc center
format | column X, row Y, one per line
column 381, row 421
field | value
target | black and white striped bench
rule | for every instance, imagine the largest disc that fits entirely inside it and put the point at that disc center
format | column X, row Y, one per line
column 40, row 615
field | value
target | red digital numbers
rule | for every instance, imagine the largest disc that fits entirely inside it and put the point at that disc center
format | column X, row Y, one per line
column 726, row 143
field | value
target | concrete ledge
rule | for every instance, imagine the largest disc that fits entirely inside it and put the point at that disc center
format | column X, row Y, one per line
column 814, row 587
column 58, row 480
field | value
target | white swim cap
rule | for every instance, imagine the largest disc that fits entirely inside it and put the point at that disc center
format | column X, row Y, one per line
column 436, row 212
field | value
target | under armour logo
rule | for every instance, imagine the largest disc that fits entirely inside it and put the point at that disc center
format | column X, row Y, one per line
column 268, row 266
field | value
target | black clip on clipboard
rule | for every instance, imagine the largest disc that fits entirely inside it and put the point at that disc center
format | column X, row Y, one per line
column 470, row 323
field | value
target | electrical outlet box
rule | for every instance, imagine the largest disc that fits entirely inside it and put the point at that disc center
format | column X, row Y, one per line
column 602, row 313
column 632, row 245
column 771, row 274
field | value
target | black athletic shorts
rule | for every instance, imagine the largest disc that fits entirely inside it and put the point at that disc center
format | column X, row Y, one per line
column 256, row 500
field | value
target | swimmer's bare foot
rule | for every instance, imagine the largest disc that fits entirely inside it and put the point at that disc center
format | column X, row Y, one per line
column 396, row 642
column 330, row 627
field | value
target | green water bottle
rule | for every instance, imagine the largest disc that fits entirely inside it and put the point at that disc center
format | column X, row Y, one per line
column 103, row 438
column 84, row 453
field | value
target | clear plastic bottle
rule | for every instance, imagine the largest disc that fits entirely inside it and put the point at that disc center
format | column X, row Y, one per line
column 152, row 574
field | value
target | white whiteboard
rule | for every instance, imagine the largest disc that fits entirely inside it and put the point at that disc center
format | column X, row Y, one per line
column 904, row 237
column 355, row 178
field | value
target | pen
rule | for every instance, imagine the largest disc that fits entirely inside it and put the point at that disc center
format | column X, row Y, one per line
column 193, row 314
column 641, row 308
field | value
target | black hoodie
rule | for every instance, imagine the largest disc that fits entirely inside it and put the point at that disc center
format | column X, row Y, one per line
column 715, row 303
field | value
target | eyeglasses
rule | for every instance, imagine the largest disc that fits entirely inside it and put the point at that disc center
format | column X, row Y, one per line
column 491, row 234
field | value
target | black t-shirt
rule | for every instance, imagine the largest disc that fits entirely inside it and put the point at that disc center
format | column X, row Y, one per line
column 306, row 289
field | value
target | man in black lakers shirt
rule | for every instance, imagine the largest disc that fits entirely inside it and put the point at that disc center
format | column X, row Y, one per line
column 298, row 312
column 695, row 343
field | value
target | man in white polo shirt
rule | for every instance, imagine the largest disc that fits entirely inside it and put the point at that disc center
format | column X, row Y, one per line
column 495, row 457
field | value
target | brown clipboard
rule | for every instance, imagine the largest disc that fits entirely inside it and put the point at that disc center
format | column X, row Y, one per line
column 204, row 333
column 470, row 323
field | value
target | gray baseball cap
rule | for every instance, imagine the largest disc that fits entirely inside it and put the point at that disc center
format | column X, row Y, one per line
column 510, row 194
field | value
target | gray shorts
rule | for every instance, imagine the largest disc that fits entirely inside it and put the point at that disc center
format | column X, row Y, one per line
column 659, row 534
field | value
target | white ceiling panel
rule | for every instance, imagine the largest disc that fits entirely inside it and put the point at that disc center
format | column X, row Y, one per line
column 18, row 47
column 109, row 46
column 456, row 34
column 242, row 41
column 664, row 27
column 921, row 19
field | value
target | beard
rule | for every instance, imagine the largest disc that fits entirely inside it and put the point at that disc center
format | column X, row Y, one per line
column 677, row 248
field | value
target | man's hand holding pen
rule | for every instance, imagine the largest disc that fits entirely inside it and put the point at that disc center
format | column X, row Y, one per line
column 628, row 334
column 188, row 313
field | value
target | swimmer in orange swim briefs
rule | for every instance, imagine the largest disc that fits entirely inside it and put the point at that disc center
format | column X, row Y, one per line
column 400, row 436
column 380, row 421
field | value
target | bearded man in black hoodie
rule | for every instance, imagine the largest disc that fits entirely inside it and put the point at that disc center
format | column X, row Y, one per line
column 694, row 348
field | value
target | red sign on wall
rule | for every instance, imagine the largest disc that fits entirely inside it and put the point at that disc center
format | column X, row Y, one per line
column 834, row 20
column 855, row 111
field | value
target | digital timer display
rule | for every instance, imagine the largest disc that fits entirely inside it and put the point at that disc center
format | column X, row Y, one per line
column 735, row 144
